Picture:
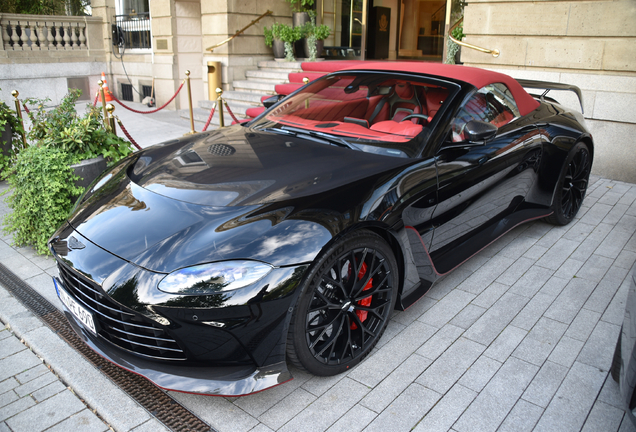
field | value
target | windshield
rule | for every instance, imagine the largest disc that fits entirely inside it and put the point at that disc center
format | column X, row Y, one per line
column 372, row 112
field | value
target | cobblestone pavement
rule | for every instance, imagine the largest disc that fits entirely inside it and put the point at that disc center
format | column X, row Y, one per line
column 519, row 338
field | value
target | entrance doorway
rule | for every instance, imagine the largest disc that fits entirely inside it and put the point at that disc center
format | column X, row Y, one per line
column 384, row 29
column 422, row 29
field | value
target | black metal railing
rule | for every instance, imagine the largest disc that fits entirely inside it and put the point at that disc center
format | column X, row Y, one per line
column 135, row 30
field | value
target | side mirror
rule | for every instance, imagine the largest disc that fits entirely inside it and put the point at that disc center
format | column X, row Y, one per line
column 479, row 131
column 272, row 100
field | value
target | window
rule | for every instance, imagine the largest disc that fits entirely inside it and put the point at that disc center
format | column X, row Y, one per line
column 493, row 104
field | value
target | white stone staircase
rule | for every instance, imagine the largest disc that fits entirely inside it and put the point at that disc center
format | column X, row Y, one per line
column 247, row 93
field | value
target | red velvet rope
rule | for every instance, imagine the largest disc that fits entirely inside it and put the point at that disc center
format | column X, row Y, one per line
column 230, row 112
column 207, row 123
column 121, row 125
column 26, row 109
column 96, row 97
column 152, row 111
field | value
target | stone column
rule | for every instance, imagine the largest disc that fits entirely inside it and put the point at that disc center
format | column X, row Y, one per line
column 165, row 67
column 99, row 43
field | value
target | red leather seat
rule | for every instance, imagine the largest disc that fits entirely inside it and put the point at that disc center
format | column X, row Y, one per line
column 401, row 102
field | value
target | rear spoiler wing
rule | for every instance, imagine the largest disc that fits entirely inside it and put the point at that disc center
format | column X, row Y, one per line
column 551, row 86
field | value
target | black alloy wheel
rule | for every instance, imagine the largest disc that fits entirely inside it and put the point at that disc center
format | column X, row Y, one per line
column 345, row 305
column 572, row 185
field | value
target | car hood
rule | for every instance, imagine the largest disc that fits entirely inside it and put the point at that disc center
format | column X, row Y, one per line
column 238, row 166
column 229, row 194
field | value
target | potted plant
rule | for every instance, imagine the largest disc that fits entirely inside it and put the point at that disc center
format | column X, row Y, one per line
column 284, row 34
column 454, row 51
column 43, row 181
column 314, row 39
column 273, row 40
column 302, row 11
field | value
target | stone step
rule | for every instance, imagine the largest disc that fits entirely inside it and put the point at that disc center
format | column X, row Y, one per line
column 279, row 76
column 259, row 87
column 272, row 64
column 241, row 97
column 237, row 108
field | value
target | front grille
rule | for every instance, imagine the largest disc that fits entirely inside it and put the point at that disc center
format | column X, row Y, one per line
column 119, row 325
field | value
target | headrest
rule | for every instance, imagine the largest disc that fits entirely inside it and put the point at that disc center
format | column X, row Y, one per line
column 404, row 90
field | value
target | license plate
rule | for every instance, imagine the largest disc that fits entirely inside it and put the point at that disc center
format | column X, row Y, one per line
column 76, row 309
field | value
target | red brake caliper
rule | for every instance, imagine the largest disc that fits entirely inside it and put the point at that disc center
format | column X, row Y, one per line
column 362, row 315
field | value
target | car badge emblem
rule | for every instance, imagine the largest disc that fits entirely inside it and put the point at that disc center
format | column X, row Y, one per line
column 74, row 243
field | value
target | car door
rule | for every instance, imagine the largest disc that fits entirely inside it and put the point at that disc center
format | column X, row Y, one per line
column 479, row 185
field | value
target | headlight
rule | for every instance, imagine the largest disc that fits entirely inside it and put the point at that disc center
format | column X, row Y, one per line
column 214, row 278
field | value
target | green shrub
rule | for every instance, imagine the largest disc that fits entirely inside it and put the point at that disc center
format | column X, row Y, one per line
column 81, row 137
column 41, row 186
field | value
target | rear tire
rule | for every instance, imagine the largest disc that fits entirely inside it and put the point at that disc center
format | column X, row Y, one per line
column 344, row 306
column 571, row 186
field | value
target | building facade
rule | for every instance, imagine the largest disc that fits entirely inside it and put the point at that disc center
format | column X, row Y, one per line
column 590, row 44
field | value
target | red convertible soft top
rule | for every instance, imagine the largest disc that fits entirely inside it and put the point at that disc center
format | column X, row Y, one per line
column 474, row 76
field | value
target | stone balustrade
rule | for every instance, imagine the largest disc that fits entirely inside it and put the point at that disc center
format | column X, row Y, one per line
column 44, row 33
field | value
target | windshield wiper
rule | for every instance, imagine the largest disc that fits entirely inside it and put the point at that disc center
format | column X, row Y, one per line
column 278, row 130
column 336, row 140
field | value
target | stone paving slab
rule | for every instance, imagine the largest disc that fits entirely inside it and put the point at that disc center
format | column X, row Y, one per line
column 32, row 398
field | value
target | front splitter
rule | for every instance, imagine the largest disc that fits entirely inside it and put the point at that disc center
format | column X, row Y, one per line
column 209, row 381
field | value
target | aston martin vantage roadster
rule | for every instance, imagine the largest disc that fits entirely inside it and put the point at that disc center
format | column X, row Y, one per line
column 209, row 263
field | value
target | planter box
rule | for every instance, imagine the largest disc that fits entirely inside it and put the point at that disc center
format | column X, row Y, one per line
column 88, row 170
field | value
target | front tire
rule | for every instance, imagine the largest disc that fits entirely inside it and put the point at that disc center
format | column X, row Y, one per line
column 344, row 306
column 572, row 185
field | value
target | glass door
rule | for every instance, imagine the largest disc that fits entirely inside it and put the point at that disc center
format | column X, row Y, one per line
column 421, row 29
column 346, row 19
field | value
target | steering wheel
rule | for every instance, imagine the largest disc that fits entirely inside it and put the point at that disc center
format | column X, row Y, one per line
column 419, row 116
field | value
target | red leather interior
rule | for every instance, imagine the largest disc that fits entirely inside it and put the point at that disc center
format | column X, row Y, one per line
column 333, row 111
column 434, row 99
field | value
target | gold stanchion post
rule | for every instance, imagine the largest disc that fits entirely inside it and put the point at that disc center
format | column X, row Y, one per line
column 111, row 118
column 219, row 106
column 18, row 111
column 305, row 81
column 192, row 131
column 100, row 83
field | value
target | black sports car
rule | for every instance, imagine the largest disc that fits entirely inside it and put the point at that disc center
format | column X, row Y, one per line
column 206, row 263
